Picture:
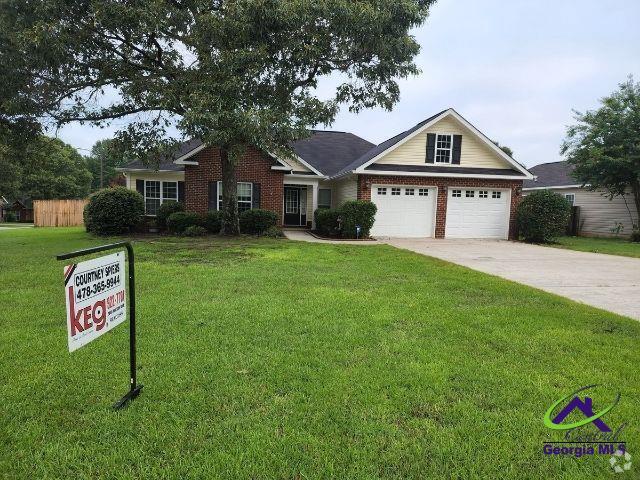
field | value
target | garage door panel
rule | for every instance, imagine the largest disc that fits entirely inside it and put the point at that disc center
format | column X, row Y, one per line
column 403, row 215
column 477, row 216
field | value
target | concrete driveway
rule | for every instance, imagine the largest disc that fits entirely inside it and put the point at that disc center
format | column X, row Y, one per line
column 605, row 281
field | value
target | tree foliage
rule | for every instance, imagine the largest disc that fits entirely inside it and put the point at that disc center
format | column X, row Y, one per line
column 232, row 73
column 504, row 148
column 106, row 156
column 43, row 168
column 604, row 144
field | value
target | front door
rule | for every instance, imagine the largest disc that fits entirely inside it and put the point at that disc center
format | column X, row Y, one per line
column 295, row 206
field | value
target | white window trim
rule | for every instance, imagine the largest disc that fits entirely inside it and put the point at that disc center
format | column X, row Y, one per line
column 572, row 199
column 219, row 193
column 161, row 198
column 450, row 149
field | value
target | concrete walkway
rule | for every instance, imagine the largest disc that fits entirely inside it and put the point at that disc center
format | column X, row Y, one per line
column 304, row 236
column 605, row 281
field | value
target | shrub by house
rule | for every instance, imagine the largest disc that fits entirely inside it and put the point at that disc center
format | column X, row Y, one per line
column 542, row 216
column 113, row 211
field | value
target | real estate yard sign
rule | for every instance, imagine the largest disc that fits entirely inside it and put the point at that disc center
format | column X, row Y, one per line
column 96, row 298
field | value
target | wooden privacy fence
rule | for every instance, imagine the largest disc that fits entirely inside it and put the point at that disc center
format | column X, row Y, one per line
column 58, row 213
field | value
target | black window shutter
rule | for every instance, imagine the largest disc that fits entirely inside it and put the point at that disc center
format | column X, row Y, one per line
column 140, row 186
column 255, row 196
column 431, row 147
column 181, row 192
column 457, row 149
column 213, row 195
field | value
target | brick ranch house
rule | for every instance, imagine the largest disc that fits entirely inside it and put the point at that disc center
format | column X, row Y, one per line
column 441, row 178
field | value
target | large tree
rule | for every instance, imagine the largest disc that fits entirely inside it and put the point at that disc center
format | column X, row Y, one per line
column 230, row 72
column 51, row 169
column 604, row 144
column 106, row 156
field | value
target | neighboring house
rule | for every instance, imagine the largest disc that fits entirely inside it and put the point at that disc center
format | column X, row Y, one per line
column 598, row 214
column 3, row 203
column 22, row 209
column 441, row 178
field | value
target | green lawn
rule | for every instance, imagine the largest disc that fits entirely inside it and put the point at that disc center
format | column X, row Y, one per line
column 278, row 359
column 611, row 246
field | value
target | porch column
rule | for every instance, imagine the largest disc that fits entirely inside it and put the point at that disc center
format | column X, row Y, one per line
column 314, row 204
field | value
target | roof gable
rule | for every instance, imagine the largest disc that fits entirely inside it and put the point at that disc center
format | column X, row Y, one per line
column 385, row 148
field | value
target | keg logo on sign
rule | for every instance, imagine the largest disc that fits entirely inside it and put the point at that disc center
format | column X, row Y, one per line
column 96, row 299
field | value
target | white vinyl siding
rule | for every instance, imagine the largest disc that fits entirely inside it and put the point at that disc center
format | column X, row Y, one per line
column 342, row 190
column 474, row 153
column 598, row 214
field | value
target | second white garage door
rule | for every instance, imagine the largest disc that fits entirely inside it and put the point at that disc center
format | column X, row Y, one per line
column 477, row 213
column 403, row 211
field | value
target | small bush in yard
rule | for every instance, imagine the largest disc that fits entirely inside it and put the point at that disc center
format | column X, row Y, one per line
column 257, row 221
column 178, row 222
column 10, row 217
column 357, row 212
column 635, row 236
column 166, row 209
column 195, row 231
column 113, row 211
column 542, row 216
column 212, row 221
column 327, row 221
column 274, row 232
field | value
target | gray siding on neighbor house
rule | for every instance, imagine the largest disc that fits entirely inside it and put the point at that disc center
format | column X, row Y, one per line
column 598, row 214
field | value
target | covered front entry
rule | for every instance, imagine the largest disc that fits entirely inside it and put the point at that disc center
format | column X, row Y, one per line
column 295, row 206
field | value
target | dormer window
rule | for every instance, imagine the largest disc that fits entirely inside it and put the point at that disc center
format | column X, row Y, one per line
column 444, row 148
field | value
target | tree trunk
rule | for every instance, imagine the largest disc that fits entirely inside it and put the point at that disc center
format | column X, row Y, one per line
column 229, row 214
column 635, row 189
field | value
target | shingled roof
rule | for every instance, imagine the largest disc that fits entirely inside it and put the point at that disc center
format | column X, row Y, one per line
column 326, row 151
column 329, row 151
column 554, row 174
column 374, row 152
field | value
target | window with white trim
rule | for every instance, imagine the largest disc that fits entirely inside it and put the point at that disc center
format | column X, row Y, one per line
column 244, row 193
column 444, row 147
column 395, row 191
column 157, row 192
column 423, row 192
column 483, row 194
column 456, row 193
column 324, row 198
column 409, row 191
column 571, row 198
column 496, row 194
column 382, row 191
column 469, row 193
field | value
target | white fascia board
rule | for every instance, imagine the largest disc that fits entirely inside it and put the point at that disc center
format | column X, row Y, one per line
column 474, row 130
column 554, row 187
column 281, row 167
column 149, row 170
column 299, row 175
column 431, row 174
column 182, row 160
column 490, row 144
column 296, row 157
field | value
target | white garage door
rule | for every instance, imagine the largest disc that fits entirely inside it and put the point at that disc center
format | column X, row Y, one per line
column 477, row 213
column 403, row 211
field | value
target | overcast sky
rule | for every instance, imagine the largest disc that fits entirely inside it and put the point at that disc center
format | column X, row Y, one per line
column 515, row 69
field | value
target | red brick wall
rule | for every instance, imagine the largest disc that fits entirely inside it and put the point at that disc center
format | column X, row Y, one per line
column 365, row 182
column 254, row 167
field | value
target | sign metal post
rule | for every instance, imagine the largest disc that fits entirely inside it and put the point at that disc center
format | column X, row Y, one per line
column 134, row 388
